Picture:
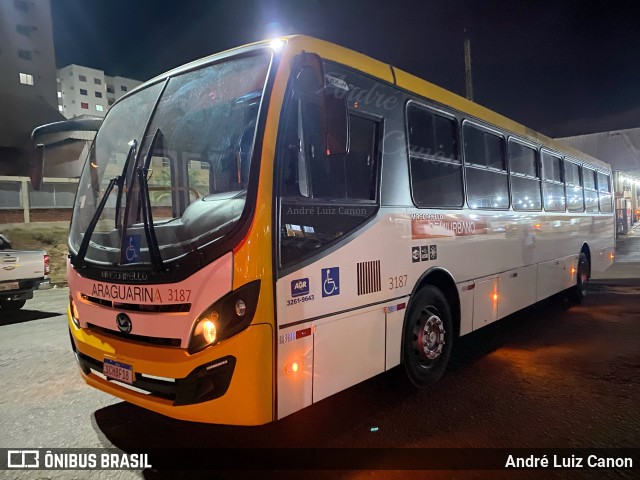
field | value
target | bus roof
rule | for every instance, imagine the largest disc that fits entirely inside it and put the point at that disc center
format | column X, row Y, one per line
column 406, row 81
column 423, row 88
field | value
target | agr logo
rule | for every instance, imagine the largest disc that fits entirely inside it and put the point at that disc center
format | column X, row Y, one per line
column 300, row 287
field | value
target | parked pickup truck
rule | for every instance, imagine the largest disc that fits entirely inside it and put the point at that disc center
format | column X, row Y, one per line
column 21, row 272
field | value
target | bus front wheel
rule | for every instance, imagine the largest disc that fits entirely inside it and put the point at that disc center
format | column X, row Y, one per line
column 579, row 290
column 427, row 337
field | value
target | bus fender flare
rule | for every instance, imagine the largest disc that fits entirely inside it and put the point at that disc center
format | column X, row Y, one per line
column 443, row 279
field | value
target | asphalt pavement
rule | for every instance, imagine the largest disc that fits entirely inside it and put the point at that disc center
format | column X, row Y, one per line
column 627, row 259
column 553, row 375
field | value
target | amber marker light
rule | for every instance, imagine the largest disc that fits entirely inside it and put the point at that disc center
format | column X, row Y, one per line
column 292, row 368
column 495, row 297
column 573, row 270
column 75, row 317
column 611, row 256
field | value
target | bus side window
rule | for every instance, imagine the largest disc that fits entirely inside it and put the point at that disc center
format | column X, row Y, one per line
column 604, row 193
column 434, row 159
column 324, row 197
column 525, row 179
column 199, row 179
column 590, row 192
column 575, row 198
column 485, row 168
column 161, row 193
column 553, row 183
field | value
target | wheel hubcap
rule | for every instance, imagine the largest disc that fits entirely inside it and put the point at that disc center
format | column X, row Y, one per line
column 429, row 336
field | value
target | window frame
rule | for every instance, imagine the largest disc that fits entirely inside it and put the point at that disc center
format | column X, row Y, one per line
column 458, row 135
column 548, row 151
column 538, row 167
column 578, row 164
column 307, row 258
column 25, row 79
column 25, row 55
column 21, row 6
column 466, row 165
column 24, row 30
column 608, row 192
column 595, row 189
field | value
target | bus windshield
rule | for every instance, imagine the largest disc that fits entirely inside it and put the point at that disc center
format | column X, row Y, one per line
column 173, row 161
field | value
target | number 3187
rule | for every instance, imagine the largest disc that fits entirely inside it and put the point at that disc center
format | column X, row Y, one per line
column 179, row 295
column 398, row 281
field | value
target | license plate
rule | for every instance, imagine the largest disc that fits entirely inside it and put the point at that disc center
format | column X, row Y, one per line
column 9, row 286
column 118, row 371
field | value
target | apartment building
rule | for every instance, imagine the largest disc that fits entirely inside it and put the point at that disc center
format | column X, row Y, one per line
column 27, row 57
column 27, row 78
column 88, row 91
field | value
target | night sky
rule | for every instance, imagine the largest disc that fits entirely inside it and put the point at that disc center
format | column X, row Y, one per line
column 559, row 67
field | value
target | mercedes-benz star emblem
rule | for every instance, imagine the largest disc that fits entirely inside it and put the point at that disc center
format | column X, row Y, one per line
column 124, row 322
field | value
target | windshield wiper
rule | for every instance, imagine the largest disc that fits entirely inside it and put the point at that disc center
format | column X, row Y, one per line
column 82, row 251
column 118, row 180
column 133, row 148
column 145, row 201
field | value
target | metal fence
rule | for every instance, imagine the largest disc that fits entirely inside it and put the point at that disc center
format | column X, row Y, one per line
column 16, row 193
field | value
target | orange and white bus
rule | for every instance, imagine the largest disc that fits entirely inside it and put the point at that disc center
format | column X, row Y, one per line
column 260, row 229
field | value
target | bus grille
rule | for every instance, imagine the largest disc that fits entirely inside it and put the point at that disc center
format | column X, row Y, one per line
column 165, row 342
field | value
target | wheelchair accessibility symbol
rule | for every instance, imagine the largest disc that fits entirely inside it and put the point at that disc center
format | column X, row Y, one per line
column 132, row 249
column 330, row 281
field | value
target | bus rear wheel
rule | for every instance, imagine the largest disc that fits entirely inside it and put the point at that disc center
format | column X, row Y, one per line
column 427, row 337
column 579, row 290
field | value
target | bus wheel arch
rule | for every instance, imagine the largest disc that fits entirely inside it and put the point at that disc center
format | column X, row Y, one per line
column 443, row 280
column 431, row 324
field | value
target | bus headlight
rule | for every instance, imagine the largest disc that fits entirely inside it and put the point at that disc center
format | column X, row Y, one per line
column 228, row 316
column 207, row 328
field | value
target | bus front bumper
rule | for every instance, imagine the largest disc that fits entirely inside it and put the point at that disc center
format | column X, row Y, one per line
column 229, row 383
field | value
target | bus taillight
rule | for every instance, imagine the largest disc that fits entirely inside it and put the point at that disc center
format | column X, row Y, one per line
column 47, row 266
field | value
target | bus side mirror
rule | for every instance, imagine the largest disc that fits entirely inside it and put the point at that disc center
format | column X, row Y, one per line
column 36, row 167
column 328, row 95
column 39, row 140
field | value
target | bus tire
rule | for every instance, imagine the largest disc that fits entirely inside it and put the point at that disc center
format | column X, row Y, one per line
column 579, row 290
column 427, row 337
